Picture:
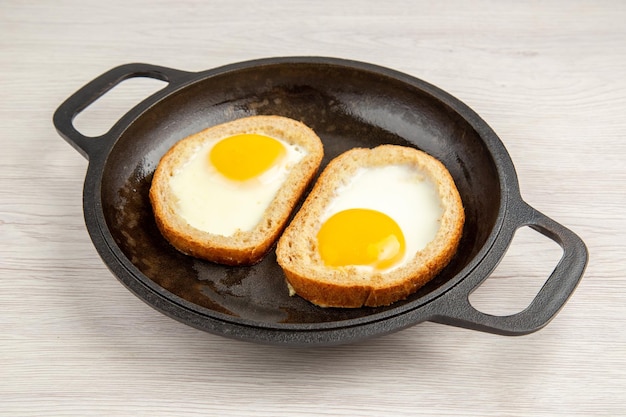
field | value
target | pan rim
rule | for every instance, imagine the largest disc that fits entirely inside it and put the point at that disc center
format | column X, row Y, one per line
column 127, row 272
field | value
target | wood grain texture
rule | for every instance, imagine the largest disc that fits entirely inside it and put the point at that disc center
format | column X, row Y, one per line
column 547, row 76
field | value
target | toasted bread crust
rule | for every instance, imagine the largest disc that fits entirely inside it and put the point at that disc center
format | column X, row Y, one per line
column 242, row 248
column 345, row 286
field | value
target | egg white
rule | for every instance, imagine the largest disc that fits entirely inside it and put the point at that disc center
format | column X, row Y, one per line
column 210, row 202
column 399, row 191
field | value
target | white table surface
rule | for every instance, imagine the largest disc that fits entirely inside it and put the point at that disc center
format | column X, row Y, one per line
column 549, row 78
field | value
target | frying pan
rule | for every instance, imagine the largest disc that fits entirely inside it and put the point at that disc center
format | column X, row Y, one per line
column 348, row 104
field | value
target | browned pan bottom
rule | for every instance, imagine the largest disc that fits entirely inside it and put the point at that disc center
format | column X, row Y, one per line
column 347, row 108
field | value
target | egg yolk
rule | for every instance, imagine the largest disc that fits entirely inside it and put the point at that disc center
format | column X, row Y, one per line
column 245, row 156
column 361, row 237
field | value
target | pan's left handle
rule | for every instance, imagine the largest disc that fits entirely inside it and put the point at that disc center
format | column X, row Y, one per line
column 66, row 113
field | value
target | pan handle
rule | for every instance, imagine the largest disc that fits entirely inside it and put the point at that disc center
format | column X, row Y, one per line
column 455, row 309
column 66, row 113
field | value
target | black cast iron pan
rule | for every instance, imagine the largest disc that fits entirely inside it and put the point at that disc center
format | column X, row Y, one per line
column 348, row 104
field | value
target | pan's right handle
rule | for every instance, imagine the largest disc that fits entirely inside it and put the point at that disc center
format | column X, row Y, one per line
column 66, row 113
column 455, row 309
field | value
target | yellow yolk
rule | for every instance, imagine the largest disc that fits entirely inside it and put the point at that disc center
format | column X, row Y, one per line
column 361, row 237
column 245, row 156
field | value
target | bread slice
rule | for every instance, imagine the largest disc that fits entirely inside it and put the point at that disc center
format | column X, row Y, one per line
column 241, row 247
column 349, row 286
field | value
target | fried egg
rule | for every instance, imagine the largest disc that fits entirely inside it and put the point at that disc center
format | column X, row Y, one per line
column 227, row 184
column 379, row 219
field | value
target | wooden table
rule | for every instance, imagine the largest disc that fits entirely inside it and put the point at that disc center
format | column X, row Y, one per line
column 549, row 78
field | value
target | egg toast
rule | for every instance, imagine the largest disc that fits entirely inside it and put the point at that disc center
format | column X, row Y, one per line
column 225, row 194
column 378, row 225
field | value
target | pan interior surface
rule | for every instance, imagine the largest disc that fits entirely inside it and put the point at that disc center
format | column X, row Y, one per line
column 347, row 107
